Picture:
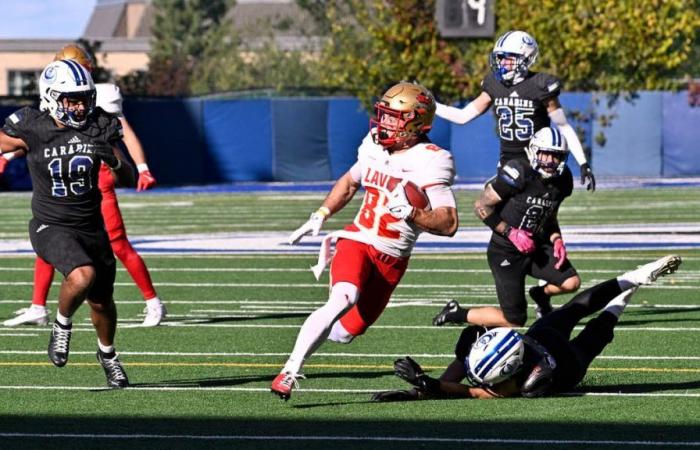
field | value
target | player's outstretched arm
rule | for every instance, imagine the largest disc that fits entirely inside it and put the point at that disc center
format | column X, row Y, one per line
column 460, row 116
column 442, row 221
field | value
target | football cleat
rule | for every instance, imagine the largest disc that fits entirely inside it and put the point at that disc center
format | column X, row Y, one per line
column 59, row 344
column 648, row 273
column 451, row 313
column 34, row 315
column 283, row 383
column 116, row 376
column 154, row 315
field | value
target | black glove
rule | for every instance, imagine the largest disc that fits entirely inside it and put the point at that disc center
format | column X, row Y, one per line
column 587, row 175
column 451, row 313
column 106, row 154
column 395, row 396
column 409, row 370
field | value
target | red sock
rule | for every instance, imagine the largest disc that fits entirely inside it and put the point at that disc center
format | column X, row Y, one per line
column 135, row 266
column 43, row 277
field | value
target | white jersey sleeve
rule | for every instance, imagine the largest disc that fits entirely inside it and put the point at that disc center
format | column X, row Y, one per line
column 109, row 98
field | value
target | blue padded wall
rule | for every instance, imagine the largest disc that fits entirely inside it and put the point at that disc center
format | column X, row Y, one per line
column 633, row 146
column 348, row 123
column 475, row 147
column 171, row 133
column 681, row 135
column 239, row 139
column 300, row 140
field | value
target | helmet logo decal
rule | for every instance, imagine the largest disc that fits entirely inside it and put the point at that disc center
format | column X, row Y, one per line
column 50, row 74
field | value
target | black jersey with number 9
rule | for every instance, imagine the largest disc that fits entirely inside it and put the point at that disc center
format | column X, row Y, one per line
column 63, row 166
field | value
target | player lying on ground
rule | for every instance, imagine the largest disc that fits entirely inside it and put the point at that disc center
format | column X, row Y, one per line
column 545, row 360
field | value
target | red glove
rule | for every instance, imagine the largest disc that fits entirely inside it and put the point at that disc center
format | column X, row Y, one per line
column 3, row 164
column 559, row 252
column 146, row 181
column 522, row 240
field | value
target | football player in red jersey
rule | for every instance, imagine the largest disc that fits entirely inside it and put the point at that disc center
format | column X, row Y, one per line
column 110, row 101
column 523, row 101
column 372, row 253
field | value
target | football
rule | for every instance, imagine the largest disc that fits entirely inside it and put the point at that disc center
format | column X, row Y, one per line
column 415, row 195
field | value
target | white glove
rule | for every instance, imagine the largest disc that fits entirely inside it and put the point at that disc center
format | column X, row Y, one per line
column 312, row 226
column 398, row 203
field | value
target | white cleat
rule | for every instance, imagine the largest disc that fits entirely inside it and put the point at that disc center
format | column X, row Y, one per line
column 29, row 316
column 648, row 273
column 154, row 315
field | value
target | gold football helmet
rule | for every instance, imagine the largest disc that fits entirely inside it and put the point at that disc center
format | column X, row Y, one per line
column 405, row 111
column 77, row 53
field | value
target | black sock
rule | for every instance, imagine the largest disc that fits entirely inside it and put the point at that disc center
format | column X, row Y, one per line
column 109, row 355
column 538, row 295
column 63, row 327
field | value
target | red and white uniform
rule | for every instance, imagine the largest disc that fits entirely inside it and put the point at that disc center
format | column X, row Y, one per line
column 372, row 253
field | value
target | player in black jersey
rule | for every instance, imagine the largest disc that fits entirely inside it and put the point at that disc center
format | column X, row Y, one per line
column 545, row 360
column 65, row 146
column 520, row 205
column 523, row 101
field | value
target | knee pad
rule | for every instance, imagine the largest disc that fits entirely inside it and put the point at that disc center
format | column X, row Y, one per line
column 339, row 334
column 344, row 293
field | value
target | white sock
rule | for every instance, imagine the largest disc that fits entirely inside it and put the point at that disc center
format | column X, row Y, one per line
column 318, row 325
column 617, row 305
column 153, row 302
column 63, row 320
column 626, row 282
column 105, row 348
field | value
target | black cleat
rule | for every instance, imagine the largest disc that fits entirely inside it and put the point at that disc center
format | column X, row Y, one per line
column 116, row 376
column 543, row 301
column 451, row 313
column 59, row 344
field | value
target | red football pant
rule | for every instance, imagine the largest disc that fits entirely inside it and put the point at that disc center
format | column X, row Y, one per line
column 375, row 274
column 114, row 224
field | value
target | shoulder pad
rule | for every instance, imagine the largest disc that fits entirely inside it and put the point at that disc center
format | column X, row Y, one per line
column 440, row 168
column 109, row 98
column 488, row 82
column 549, row 84
column 513, row 173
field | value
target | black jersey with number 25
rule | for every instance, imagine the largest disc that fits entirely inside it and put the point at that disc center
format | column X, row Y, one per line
column 63, row 166
column 520, row 109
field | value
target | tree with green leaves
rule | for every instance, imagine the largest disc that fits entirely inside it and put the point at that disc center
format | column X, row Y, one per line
column 608, row 45
column 184, row 33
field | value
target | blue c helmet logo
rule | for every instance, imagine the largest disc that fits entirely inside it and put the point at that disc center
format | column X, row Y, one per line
column 50, row 74
column 527, row 40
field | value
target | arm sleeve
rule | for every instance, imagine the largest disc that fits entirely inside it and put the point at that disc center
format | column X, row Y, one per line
column 457, row 115
column 559, row 119
column 356, row 172
column 441, row 195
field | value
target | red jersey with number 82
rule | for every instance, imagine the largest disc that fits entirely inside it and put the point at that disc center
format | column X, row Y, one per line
column 424, row 164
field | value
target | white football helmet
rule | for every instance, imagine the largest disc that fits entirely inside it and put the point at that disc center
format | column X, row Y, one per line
column 495, row 356
column 66, row 79
column 548, row 140
column 518, row 45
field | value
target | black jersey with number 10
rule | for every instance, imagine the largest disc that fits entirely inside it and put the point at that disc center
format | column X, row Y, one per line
column 63, row 166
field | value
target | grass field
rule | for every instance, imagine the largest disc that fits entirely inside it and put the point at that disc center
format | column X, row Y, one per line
column 202, row 379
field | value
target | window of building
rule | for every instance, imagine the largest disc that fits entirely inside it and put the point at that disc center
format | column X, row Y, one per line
column 23, row 82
